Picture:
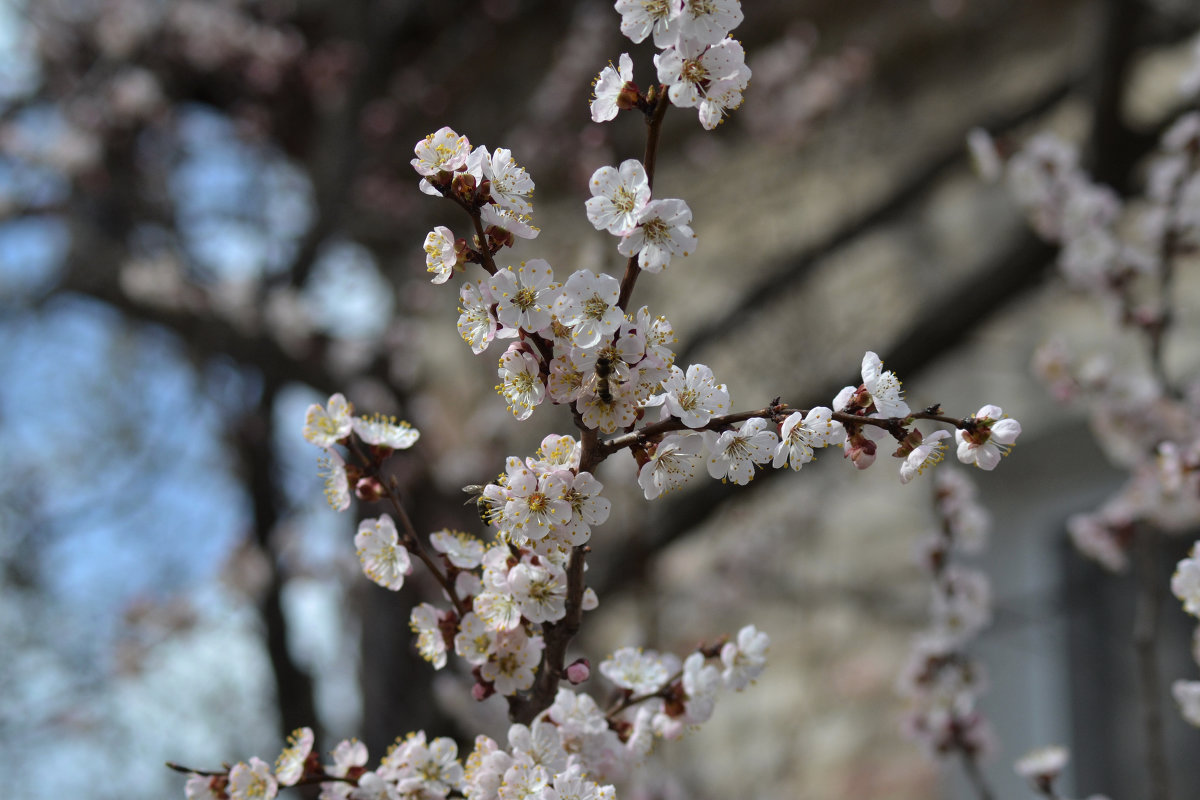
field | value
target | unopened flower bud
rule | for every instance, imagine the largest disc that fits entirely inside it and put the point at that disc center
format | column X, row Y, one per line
column 908, row 443
column 463, row 251
column 578, row 671
column 499, row 237
column 482, row 691
column 483, row 192
column 860, row 450
column 463, row 187
column 368, row 489
column 629, row 96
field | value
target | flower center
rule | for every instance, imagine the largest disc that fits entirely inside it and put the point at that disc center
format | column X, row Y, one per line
column 625, row 200
column 693, row 71
column 595, row 307
column 525, row 298
column 655, row 230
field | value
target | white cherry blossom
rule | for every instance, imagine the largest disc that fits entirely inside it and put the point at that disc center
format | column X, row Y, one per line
column 289, row 767
column 1187, row 694
column 442, row 151
column 744, row 658
column 511, row 667
column 252, row 781
column 520, row 381
column 884, row 388
column 708, row 21
column 497, row 609
column 639, row 672
column 566, row 379
column 641, row 17
column 332, row 468
column 721, row 96
column 695, row 397
column 608, row 86
column 690, row 67
column 327, row 425
column 674, row 462
column 440, row 256
column 199, row 787
column 474, row 641
column 525, row 297
column 555, row 453
column 733, row 454
column 588, row 306
column 383, row 431
column 989, row 437
column 619, row 194
column 577, row 714
column 384, row 560
column 424, row 769
column 1185, row 583
column 800, row 434
column 928, row 452
column 573, row 784
column 476, row 323
column 430, row 643
column 1044, row 763
column 540, row 591
column 511, row 185
column 701, row 681
column 535, row 503
column 657, row 334
column 519, row 225
column 461, row 549
column 539, row 743
column 588, row 508
column 613, row 414
column 662, row 233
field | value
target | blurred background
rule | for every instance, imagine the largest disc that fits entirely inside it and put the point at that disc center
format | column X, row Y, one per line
column 208, row 221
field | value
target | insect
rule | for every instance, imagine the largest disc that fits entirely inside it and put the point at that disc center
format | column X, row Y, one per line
column 482, row 504
column 604, row 371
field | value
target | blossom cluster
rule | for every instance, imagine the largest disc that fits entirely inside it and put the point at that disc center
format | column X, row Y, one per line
column 941, row 681
column 1122, row 253
column 510, row 604
column 699, row 66
column 565, row 753
column 413, row 767
column 334, row 424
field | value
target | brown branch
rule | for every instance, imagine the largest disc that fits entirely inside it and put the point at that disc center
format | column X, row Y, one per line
column 557, row 636
column 654, row 127
column 294, row 686
column 1145, row 644
column 1113, row 145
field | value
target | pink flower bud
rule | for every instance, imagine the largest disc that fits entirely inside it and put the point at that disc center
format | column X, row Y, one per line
column 368, row 489
column 578, row 671
column 860, row 450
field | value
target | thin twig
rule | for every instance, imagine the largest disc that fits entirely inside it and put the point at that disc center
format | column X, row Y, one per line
column 413, row 542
